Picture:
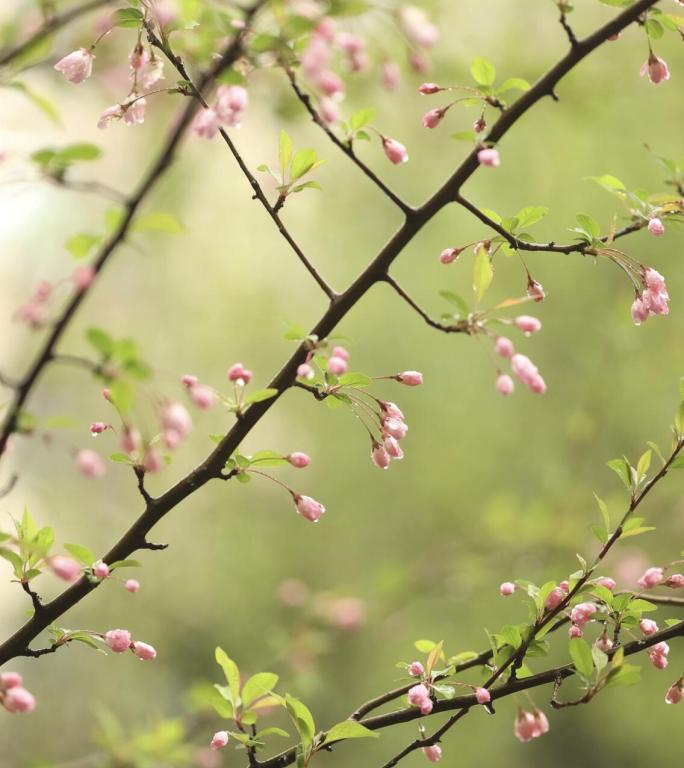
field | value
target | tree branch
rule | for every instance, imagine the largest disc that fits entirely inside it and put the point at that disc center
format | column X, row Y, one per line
column 462, row 326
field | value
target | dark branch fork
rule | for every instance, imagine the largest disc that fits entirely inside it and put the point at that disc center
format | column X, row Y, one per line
column 376, row 271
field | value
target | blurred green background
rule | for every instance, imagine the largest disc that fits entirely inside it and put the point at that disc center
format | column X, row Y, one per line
column 490, row 489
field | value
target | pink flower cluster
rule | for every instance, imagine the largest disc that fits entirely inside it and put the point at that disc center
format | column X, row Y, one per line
column 580, row 615
column 651, row 578
column 228, row 111
column 521, row 365
column 419, row 696
column 13, row 696
column 120, row 641
column 203, row 396
column 34, row 312
column 653, row 300
column 530, row 725
column 658, row 655
column 393, row 428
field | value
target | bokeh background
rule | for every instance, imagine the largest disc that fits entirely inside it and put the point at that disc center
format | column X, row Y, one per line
column 491, row 489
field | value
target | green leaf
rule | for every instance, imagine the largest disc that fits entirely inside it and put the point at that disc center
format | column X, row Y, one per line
column 483, row 71
column 124, row 564
column 513, row 84
column 302, row 163
column 589, row 224
column 349, row 729
column 13, row 558
column 80, row 151
column 159, row 221
column 654, row 29
column 232, row 673
column 79, row 246
column 580, row 653
column 354, row 380
column 457, row 301
column 424, row 646
column 127, row 17
column 302, row 718
column 482, row 273
column 268, row 459
column 361, row 118
column 260, row 395
column 622, row 470
column 531, row 214
column 284, row 152
column 258, row 685
column 101, row 340
column 604, row 511
column 272, row 731
column 121, row 458
column 219, row 699
column 609, row 183
column 627, row 674
column 84, row 555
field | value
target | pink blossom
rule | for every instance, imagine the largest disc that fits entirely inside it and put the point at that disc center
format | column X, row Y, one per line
column 419, row 696
column 648, row 627
column 390, row 75
column 482, row 696
column 489, row 156
column 417, row 26
column 525, row 727
column 206, row 124
column 231, row 102
column 299, row 459
column 656, row 227
column 10, row 680
column 416, row 669
column 342, row 352
column 507, row 588
column 574, row 631
column 427, row 89
column 82, row 277
column 480, row 124
column 674, row 693
column 65, row 568
column 394, row 428
column 639, row 311
column 97, row 428
column 219, row 740
column 504, row 384
column 308, row 508
column 134, row 110
column 554, row 599
column 433, row 118
column 131, row 439
column 528, row 324
column 152, row 461
column 115, row 112
column 433, row 753
column 76, row 66
column 393, row 448
column 132, row 585
column 418, row 62
column 676, row 581
column 189, row 381
column 175, row 417
column 89, row 463
column 504, row 347
column 607, row 582
column 305, row 371
column 604, row 643
column 542, row 722
column 337, row 365
column 330, row 83
column 239, row 374
column 329, row 110
column 101, row 570
column 535, row 290
column 410, row 378
column 651, row 578
column 391, row 410
column 449, row 255
column 138, row 58
column 565, row 586
column 379, row 456
column 144, row 651
column 655, row 68
column 347, row 613
column 395, row 151
column 203, row 397
column 582, row 613
column 658, row 655
column 119, row 640
column 325, row 29
column 18, row 700
column 152, row 74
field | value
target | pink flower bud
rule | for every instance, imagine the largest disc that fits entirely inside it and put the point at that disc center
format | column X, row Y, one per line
column 428, row 89
column 115, row 112
column 537, row 384
column 574, row 632
column 82, row 277
column 239, row 374
column 132, row 585
column 152, row 461
column 144, row 651
column 337, row 365
column 674, row 693
column 65, row 568
column 390, row 75
column 648, row 627
column 554, row 599
column 651, row 578
column 604, row 643
column 504, row 347
column 433, row 118
column 76, row 66
column 107, row 394
column 394, row 428
column 131, row 440
column 393, row 448
column 480, row 124
column 391, row 410
column 676, row 581
column 299, row 459
column 330, row 83
column 203, row 397
column 419, row 696
column 656, row 227
column 582, row 613
column 449, row 255
column 189, row 381
column 119, row 640
column 101, row 570
column 89, row 463
column 18, row 700
column 528, row 324
column 542, row 722
column 379, row 456
column 483, row 696
column 507, row 588
column 489, row 157
column 219, row 740
column 410, row 378
column 305, row 371
column 308, row 508
column 656, row 69
column 658, row 655
column 504, row 384
column 416, row 669
column 433, row 753
column 97, row 428
column 639, row 311
column 175, row 417
column 206, row 124
column 535, row 290
column 565, row 586
column 396, row 152
column 10, row 680
column 329, row 110
column 342, row 352
column 525, row 727
column 607, row 582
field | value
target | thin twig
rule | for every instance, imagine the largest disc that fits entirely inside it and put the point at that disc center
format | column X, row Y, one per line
column 462, row 326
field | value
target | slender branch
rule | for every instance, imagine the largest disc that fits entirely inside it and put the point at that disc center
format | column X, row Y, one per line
column 158, row 168
column 374, row 272
column 563, row 19
column 272, row 210
column 345, row 147
column 463, row 326
column 97, row 369
column 51, row 25
column 552, row 247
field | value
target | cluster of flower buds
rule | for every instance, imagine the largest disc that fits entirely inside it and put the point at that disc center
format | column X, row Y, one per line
column 147, row 69
column 203, row 396
column 521, row 365
column 580, row 615
column 530, row 725
column 421, row 33
column 120, row 641
column 13, row 696
column 419, row 696
column 675, row 692
column 653, row 299
column 393, row 428
column 228, row 111
column 35, row 311
column 658, row 655
column 655, row 68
